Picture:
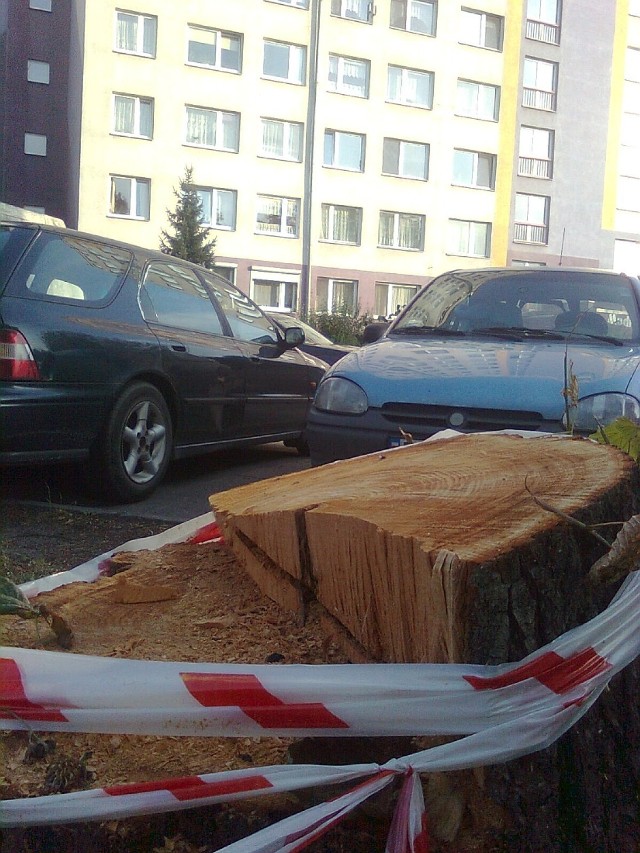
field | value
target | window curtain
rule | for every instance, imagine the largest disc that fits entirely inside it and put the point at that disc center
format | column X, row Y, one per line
column 124, row 113
column 410, row 231
column 292, row 217
column 204, row 197
column 354, row 77
column 229, row 131
column 343, row 297
column 421, row 17
column 345, row 225
column 269, row 214
column 201, row 127
column 149, row 36
column 226, row 208
column 273, row 137
column 385, row 228
column 127, row 31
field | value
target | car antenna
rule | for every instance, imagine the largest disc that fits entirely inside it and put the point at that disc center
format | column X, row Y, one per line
column 564, row 231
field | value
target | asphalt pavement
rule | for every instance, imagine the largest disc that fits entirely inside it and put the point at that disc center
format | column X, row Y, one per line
column 182, row 496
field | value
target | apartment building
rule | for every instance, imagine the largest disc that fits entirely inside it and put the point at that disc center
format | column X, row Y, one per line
column 344, row 151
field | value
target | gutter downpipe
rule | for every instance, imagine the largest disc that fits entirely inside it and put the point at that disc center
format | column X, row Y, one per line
column 305, row 277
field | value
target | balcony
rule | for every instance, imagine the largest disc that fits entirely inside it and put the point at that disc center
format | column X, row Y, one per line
column 534, row 167
column 541, row 31
column 525, row 233
column 539, row 99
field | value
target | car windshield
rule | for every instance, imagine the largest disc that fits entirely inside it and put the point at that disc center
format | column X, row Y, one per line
column 525, row 304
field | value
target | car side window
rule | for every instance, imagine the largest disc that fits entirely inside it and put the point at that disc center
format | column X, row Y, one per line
column 247, row 321
column 62, row 267
column 173, row 295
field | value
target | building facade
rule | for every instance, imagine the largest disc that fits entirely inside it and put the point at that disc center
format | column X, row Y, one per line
column 344, row 151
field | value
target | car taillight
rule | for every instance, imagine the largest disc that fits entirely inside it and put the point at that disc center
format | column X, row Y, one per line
column 16, row 358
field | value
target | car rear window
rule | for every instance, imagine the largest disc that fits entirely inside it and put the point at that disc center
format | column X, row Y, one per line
column 71, row 268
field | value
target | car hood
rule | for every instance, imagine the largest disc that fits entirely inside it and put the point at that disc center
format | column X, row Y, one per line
column 489, row 373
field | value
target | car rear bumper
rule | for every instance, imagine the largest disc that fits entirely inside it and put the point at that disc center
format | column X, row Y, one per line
column 46, row 423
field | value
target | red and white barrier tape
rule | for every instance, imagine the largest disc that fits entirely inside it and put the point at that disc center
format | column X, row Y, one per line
column 505, row 711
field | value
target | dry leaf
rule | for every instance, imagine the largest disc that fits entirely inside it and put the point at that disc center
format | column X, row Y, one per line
column 624, row 556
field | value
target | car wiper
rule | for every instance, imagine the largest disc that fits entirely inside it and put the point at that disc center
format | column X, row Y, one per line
column 607, row 339
column 429, row 330
column 511, row 333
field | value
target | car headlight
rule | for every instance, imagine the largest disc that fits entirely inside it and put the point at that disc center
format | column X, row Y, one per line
column 602, row 409
column 342, row 396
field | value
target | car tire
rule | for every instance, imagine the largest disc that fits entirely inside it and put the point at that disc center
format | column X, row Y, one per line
column 137, row 444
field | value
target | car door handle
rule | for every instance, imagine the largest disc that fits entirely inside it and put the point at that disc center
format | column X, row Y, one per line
column 178, row 347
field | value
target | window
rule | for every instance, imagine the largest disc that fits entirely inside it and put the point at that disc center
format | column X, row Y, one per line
column 336, row 296
column 543, row 20
column 391, row 298
column 301, row 4
column 355, row 10
column 227, row 271
column 214, row 49
column 43, row 5
column 173, row 295
column 136, row 33
column 474, row 169
column 415, row 16
column 278, row 216
column 36, row 144
column 406, row 86
column 349, row 76
column 129, row 197
column 477, row 100
column 531, row 220
column 133, row 116
column 341, row 224
column 472, row 239
column 281, row 140
column 213, row 129
column 481, row 30
column 344, row 150
column 275, row 290
column 405, row 159
column 218, row 207
column 37, row 72
column 535, row 153
column 285, row 62
column 401, row 230
column 247, row 322
column 539, row 84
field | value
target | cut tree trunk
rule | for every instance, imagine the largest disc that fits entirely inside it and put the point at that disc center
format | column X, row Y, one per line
column 449, row 551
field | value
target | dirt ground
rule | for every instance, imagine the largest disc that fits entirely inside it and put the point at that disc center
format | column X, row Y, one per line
column 217, row 614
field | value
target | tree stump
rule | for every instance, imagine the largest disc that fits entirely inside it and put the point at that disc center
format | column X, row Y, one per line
column 448, row 551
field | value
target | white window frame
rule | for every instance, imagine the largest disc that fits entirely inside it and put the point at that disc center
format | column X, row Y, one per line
column 286, row 283
column 476, row 36
column 210, row 198
column 538, row 91
column 543, row 21
column 288, row 208
column 292, row 140
column 478, row 90
column 296, row 69
column 391, row 304
column 135, row 183
column 401, row 11
column 399, row 219
column 476, row 157
column 467, row 232
column 298, row 4
column 38, row 72
column 531, row 218
column 218, row 119
column 35, row 144
column 339, row 140
column 140, row 22
column 341, row 67
column 535, row 152
column 404, row 147
column 353, row 10
column 217, row 38
column 409, row 78
column 331, row 211
column 332, row 285
column 137, row 105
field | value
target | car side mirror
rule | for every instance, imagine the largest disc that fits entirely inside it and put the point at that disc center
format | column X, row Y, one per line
column 373, row 332
column 293, row 337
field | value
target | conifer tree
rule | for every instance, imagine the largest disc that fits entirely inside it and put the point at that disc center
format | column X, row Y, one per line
column 190, row 240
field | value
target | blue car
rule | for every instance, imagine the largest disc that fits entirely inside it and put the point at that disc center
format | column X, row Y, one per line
column 551, row 350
